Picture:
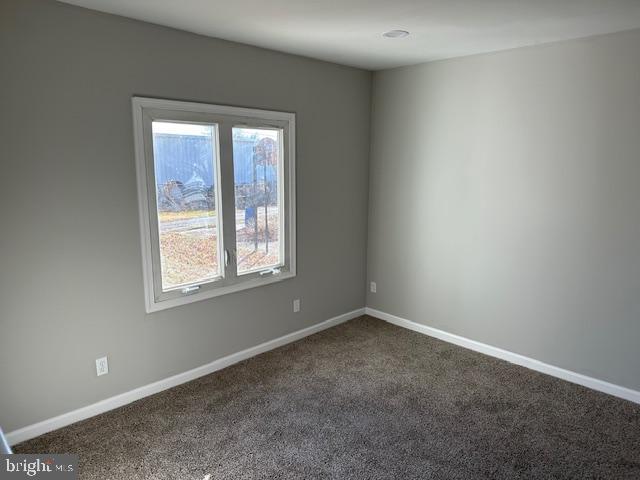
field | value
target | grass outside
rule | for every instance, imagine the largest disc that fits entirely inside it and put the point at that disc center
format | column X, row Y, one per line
column 185, row 215
column 190, row 255
column 249, row 258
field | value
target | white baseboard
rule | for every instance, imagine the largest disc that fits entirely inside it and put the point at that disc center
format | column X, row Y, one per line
column 589, row 382
column 32, row 431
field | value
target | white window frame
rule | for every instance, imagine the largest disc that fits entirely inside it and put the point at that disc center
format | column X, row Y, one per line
column 145, row 111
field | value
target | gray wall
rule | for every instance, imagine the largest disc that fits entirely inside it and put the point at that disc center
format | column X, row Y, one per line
column 505, row 201
column 70, row 267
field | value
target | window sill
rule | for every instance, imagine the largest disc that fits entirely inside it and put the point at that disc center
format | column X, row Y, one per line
column 153, row 305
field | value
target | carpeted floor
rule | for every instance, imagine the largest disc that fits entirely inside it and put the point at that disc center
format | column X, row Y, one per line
column 364, row 400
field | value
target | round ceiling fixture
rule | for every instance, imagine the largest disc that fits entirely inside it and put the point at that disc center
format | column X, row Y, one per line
column 396, row 34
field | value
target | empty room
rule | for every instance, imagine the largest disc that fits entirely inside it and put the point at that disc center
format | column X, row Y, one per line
column 296, row 239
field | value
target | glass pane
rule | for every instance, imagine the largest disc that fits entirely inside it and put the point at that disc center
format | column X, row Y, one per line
column 184, row 157
column 256, row 160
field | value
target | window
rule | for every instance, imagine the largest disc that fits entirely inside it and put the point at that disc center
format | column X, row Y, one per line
column 216, row 196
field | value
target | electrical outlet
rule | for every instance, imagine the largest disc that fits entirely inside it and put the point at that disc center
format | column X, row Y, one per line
column 296, row 305
column 102, row 366
column 373, row 287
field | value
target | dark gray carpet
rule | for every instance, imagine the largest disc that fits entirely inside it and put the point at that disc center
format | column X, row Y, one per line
column 362, row 400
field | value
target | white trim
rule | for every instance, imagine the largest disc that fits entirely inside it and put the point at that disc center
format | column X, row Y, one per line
column 293, row 194
column 143, row 205
column 216, row 292
column 32, row 431
column 164, row 104
column 516, row 358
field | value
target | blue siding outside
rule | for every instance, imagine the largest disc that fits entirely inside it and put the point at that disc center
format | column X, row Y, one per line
column 187, row 158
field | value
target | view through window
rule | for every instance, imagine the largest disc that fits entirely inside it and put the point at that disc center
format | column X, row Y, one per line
column 256, row 164
column 185, row 163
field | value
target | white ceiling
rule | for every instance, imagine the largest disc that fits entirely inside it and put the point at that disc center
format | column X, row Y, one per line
column 349, row 31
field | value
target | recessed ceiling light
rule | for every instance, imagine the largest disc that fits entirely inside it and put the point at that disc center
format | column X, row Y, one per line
column 396, row 34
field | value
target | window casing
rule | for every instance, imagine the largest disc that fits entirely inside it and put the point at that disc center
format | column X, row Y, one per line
column 216, row 191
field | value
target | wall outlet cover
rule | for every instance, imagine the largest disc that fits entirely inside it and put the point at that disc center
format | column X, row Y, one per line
column 102, row 366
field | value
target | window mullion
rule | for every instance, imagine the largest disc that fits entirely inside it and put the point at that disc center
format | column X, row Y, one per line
column 228, row 199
